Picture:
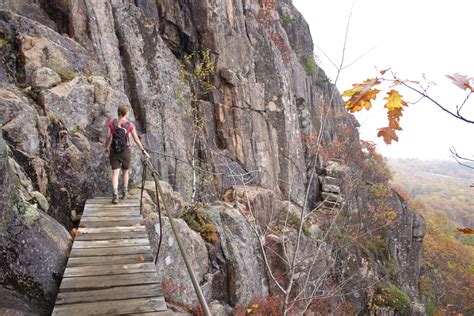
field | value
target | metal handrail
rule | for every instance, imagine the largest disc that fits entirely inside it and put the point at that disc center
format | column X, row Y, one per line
column 159, row 194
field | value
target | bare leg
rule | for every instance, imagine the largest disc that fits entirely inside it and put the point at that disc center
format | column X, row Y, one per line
column 125, row 180
column 115, row 177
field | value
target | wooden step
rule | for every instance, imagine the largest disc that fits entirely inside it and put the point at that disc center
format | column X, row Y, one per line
column 113, row 307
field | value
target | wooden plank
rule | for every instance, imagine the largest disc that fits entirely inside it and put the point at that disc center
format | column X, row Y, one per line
column 111, row 236
column 163, row 313
column 101, row 260
column 111, row 251
column 120, row 307
column 107, row 281
column 112, row 229
column 109, row 203
column 111, row 213
column 112, row 223
column 110, row 269
column 94, row 218
column 115, row 293
column 110, row 243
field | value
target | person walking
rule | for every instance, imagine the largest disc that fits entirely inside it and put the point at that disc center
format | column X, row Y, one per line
column 117, row 147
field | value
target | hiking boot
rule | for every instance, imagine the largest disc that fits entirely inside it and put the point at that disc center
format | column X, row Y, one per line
column 124, row 195
column 115, row 199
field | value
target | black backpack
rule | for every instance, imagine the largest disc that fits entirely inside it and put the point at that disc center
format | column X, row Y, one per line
column 119, row 137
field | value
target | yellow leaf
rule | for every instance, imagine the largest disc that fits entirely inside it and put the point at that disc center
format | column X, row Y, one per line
column 394, row 100
column 249, row 310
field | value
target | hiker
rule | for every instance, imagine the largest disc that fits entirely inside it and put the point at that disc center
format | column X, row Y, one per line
column 117, row 146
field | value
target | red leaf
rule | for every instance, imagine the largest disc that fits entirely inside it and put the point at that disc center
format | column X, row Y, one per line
column 388, row 135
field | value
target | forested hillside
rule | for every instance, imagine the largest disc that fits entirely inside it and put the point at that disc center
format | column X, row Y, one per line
column 441, row 192
column 443, row 186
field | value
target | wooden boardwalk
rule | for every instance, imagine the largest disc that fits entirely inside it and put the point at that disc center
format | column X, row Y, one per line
column 110, row 269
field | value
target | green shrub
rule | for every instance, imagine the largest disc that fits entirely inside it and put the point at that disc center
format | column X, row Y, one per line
column 395, row 297
column 287, row 20
column 309, row 66
column 430, row 308
column 295, row 221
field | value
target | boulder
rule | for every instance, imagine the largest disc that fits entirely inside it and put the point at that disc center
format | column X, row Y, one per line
column 44, row 78
column 246, row 276
column 173, row 199
column 170, row 265
column 34, row 246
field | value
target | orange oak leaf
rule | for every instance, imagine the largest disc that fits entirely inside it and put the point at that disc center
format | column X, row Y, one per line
column 388, row 135
column 361, row 95
column 141, row 258
column 462, row 81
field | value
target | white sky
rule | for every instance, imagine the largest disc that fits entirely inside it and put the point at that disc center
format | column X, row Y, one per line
column 411, row 37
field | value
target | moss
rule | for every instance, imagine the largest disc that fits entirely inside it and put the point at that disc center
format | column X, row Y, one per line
column 77, row 131
column 295, row 221
column 29, row 213
column 46, row 226
column 395, row 297
column 287, row 20
column 197, row 221
column 32, row 93
column 64, row 73
column 3, row 42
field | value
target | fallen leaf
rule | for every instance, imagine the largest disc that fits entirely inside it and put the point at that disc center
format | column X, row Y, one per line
column 388, row 135
column 74, row 232
column 141, row 258
column 124, row 267
column 465, row 230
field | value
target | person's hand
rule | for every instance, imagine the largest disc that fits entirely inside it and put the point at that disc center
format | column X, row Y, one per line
column 145, row 154
column 106, row 151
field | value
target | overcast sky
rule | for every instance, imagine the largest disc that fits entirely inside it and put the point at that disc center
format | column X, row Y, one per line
column 411, row 38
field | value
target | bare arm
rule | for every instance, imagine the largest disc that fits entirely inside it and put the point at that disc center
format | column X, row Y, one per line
column 138, row 142
column 107, row 140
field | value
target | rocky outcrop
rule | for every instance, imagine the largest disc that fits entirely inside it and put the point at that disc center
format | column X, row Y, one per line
column 253, row 133
column 34, row 247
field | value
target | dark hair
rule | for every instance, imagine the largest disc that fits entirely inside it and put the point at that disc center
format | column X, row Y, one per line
column 122, row 110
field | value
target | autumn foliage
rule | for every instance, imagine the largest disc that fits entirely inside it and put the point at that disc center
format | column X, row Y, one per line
column 361, row 95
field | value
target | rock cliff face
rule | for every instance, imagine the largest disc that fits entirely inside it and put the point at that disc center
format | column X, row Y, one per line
column 265, row 110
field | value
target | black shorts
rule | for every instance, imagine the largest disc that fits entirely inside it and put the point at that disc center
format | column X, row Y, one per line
column 121, row 160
